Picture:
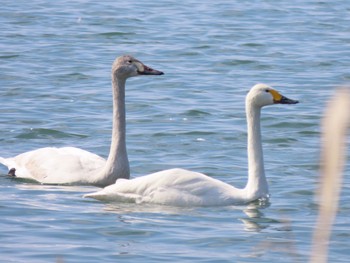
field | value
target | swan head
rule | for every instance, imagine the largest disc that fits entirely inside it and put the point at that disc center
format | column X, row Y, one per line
column 262, row 95
column 127, row 66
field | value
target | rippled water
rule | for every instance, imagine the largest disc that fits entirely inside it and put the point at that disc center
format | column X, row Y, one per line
column 55, row 91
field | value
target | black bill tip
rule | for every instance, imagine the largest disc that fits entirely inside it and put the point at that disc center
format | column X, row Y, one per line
column 150, row 71
column 285, row 100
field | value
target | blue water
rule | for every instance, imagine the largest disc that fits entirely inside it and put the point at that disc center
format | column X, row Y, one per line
column 55, row 91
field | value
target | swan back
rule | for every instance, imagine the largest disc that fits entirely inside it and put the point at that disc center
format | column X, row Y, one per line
column 175, row 187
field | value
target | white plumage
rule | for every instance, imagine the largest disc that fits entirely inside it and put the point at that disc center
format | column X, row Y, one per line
column 179, row 187
column 69, row 165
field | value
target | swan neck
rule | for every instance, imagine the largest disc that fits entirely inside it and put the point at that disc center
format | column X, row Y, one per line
column 117, row 165
column 119, row 119
column 257, row 185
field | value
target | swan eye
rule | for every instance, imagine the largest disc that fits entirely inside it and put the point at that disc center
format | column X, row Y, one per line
column 267, row 90
column 129, row 61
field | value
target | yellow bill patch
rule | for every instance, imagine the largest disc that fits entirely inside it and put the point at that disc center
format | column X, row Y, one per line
column 275, row 94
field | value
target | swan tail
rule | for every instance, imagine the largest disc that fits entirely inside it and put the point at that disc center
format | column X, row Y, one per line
column 11, row 166
column 8, row 163
column 3, row 161
column 116, row 197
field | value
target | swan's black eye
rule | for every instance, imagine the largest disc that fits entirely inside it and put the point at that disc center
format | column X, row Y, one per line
column 267, row 90
column 129, row 61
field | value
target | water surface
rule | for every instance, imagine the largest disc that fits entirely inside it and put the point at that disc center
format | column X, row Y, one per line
column 55, row 91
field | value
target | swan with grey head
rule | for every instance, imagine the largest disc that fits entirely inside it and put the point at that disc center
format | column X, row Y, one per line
column 179, row 187
column 70, row 165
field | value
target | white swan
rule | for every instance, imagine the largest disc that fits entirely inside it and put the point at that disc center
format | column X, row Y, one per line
column 69, row 165
column 180, row 187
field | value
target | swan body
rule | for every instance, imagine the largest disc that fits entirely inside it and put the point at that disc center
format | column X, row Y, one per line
column 175, row 187
column 69, row 165
column 38, row 165
column 179, row 187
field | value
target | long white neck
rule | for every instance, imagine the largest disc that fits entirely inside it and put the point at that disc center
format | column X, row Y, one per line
column 257, row 185
column 117, row 165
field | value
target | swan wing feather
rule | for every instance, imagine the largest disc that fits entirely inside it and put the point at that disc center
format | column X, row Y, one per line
column 176, row 187
column 55, row 165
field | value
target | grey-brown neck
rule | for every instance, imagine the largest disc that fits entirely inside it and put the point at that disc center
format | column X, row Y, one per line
column 117, row 165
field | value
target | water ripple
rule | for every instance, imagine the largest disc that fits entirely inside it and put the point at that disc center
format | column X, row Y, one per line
column 46, row 134
column 56, row 60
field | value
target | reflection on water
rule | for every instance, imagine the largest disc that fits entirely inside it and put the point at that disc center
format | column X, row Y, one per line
column 126, row 208
column 29, row 184
column 256, row 220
